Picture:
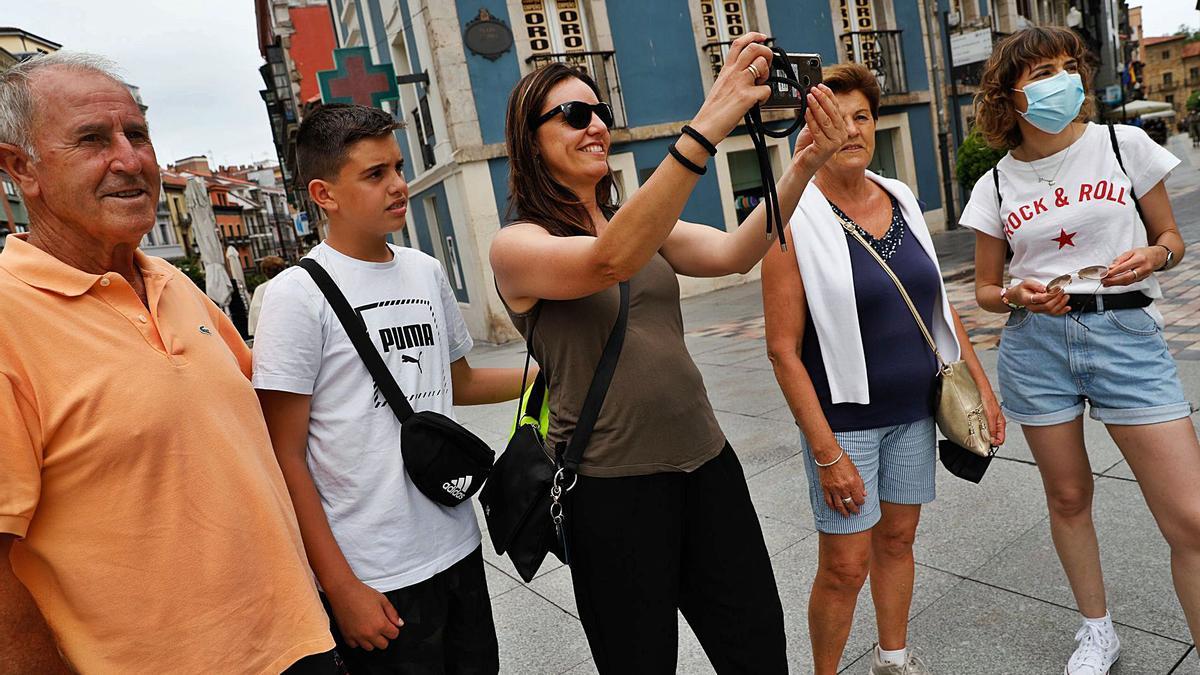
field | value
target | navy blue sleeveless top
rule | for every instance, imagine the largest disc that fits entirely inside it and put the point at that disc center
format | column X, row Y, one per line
column 901, row 368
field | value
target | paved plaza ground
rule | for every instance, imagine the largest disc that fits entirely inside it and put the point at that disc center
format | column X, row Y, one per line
column 990, row 597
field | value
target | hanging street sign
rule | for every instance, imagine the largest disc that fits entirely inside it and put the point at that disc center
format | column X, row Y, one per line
column 971, row 47
column 356, row 80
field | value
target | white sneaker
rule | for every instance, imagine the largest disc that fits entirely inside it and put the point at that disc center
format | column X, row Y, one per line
column 913, row 665
column 1098, row 650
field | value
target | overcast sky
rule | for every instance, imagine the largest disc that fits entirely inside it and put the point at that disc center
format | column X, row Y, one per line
column 1163, row 17
column 197, row 61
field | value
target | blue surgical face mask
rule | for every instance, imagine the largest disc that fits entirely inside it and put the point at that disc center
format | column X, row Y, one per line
column 1054, row 102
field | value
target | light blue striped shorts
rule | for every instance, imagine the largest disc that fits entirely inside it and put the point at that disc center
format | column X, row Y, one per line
column 897, row 465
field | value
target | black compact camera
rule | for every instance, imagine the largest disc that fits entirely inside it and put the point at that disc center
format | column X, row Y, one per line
column 805, row 70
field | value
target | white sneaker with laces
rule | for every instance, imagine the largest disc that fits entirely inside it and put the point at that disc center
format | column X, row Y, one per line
column 1098, row 650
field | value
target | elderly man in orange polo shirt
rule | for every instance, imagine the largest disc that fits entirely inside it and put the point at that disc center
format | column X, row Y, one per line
column 144, row 523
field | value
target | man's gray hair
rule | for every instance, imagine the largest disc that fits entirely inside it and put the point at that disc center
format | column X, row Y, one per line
column 17, row 107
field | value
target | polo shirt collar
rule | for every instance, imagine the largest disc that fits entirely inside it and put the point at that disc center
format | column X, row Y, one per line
column 38, row 268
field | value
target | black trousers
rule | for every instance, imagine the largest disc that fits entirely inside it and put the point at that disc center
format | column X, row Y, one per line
column 644, row 547
column 448, row 627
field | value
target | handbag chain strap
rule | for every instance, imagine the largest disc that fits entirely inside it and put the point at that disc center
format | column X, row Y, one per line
column 849, row 227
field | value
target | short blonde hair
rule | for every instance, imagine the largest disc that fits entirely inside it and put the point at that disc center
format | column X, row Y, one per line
column 995, row 113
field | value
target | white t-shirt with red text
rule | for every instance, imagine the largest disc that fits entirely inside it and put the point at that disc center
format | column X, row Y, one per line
column 1087, row 217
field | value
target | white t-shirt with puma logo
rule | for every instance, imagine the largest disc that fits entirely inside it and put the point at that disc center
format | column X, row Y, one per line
column 392, row 535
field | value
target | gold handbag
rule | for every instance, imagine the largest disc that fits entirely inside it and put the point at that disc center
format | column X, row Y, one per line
column 960, row 416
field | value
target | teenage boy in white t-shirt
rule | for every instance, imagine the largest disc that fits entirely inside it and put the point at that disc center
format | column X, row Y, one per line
column 401, row 575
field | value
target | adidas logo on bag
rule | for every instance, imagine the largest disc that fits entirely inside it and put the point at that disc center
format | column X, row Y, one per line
column 458, row 487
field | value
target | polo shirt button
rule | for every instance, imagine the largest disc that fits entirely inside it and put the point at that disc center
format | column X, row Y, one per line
column 142, row 318
column 104, row 281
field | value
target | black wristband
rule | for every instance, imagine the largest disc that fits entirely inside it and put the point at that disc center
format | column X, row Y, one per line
column 699, row 138
column 687, row 163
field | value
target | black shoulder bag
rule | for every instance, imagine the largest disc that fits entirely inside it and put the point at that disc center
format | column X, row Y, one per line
column 447, row 463
column 523, row 500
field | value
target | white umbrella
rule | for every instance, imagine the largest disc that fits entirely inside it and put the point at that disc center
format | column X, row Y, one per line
column 235, row 265
column 1138, row 108
column 204, row 227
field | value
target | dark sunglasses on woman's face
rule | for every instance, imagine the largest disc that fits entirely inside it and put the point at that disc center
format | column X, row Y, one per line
column 578, row 114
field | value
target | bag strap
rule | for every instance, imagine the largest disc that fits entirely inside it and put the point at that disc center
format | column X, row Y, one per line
column 1112, row 135
column 599, row 387
column 846, row 225
column 357, row 331
column 538, row 394
column 996, row 180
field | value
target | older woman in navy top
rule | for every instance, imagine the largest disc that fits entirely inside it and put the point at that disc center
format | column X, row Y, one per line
column 859, row 378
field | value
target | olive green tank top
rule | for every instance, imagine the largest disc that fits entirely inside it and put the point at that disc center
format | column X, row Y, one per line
column 656, row 417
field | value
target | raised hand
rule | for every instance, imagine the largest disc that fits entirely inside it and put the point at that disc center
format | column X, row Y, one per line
column 737, row 88
column 824, row 131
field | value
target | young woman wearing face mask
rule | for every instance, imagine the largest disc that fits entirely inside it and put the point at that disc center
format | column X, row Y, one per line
column 1082, row 324
column 660, row 520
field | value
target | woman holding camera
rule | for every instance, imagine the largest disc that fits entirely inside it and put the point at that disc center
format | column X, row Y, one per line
column 859, row 378
column 1085, row 212
column 660, row 520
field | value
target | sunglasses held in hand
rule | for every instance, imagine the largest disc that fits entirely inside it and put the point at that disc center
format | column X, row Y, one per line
column 578, row 114
column 1093, row 273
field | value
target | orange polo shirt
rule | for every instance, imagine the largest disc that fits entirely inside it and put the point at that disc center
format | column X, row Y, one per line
column 158, row 536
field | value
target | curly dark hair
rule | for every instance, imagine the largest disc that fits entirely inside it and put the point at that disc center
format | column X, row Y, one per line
column 995, row 113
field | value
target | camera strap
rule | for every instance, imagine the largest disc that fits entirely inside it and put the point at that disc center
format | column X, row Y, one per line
column 759, row 132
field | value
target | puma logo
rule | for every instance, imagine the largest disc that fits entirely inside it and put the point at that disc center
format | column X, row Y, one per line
column 405, row 358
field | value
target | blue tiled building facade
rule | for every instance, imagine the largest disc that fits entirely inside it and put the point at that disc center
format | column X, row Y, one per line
column 654, row 60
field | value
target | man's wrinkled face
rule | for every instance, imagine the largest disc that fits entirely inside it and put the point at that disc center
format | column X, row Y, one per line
column 96, row 172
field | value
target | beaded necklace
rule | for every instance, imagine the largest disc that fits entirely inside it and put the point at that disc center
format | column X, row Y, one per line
column 886, row 245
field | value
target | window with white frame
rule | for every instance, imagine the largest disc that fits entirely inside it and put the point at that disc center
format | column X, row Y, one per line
column 723, row 21
column 555, row 26
column 563, row 31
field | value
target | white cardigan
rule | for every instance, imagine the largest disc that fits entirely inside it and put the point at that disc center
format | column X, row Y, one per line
column 824, row 259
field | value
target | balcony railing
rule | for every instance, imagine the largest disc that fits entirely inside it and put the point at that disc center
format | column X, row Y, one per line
column 601, row 67
column 880, row 51
column 715, row 51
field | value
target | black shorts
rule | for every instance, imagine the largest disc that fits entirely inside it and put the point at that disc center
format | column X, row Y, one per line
column 448, row 627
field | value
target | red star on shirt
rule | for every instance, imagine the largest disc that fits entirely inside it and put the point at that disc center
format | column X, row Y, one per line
column 1064, row 239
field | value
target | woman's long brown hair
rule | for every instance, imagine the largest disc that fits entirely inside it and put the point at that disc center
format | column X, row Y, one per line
column 534, row 194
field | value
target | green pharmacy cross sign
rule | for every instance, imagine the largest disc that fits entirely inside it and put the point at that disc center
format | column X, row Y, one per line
column 356, row 80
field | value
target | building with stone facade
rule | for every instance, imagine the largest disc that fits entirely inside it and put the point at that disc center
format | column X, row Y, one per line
column 1164, row 77
column 295, row 38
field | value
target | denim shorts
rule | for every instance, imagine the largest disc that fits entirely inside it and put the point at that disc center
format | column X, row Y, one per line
column 1117, row 361
column 897, row 465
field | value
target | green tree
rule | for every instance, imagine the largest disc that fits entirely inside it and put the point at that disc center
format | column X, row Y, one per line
column 975, row 158
column 1193, row 102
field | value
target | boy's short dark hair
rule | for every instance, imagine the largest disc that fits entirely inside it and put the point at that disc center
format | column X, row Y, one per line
column 328, row 132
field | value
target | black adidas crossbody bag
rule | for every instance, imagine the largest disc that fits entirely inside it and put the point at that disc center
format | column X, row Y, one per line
column 447, row 463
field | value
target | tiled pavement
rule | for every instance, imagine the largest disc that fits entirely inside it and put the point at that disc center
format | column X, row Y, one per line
column 990, row 597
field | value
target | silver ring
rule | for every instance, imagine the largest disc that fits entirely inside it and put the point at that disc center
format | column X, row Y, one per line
column 753, row 71
column 847, row 500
